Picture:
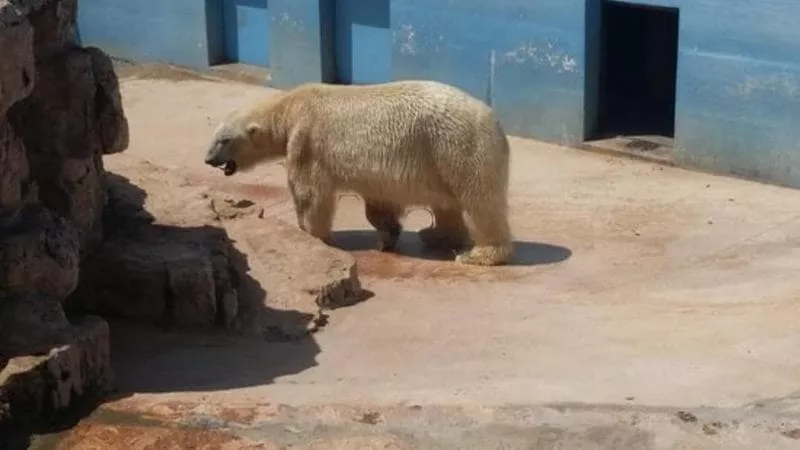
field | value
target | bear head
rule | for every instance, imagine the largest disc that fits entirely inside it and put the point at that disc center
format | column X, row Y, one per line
column 239, row 143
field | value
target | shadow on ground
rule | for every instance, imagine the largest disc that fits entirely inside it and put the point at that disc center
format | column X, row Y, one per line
column 159, row 357
column 152, row 349
column 409, row 245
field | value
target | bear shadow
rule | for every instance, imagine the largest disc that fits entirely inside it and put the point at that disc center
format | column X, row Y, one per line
column 409, row 245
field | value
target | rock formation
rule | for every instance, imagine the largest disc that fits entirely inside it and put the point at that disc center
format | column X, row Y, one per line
column 60, row 111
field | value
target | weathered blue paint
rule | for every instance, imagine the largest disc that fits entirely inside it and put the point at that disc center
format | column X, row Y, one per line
column 246, row 24
column 301, row 41
column 185, row 32
column 738, row 92
column 535, row 61
column 363, row 41
column 524, row 57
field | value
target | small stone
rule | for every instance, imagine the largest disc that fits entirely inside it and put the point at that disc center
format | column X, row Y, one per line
column 686, row 417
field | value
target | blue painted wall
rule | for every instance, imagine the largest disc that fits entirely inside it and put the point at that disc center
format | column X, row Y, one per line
column 738, row 105
column 738, row 93
column 535, row 61
column 363, row 41
column 186, row 32
column 246, row 28
column 524, row 57
column 301, row 41
column 738, row 81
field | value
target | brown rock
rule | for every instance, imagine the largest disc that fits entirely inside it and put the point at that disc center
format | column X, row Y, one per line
column 161, row 277
column 111, row 122
column 31, row 325
column 297, row 272
column 32, row 388
column 274, row 279
column 38, row 253
column 13, row 171
column 60, row 110
column 82, row 184
column 76, row 95
column 17, row 72
column 190, row 280
column 52, row 20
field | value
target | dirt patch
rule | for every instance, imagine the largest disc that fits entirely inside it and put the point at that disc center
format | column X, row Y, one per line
column 156, row 71
column 792, row 434
column 251, row 191
column 241, row 73
column 92, row 436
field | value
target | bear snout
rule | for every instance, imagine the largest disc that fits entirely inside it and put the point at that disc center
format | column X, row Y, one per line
column 216, row 156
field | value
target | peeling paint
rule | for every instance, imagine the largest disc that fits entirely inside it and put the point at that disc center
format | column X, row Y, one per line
column 548, row 55
column 405, row 36
column 286, row 19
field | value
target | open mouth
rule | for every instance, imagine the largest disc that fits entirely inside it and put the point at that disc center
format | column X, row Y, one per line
column 229, row 168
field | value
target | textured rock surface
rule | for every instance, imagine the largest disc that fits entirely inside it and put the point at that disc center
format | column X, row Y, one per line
column 159, row 276
column 13, row 172
column 36, row 387
column 17, row 71
column 31, row 324
column 39, row 253
column 60, row 111
column 190, row 255
column 65, row 157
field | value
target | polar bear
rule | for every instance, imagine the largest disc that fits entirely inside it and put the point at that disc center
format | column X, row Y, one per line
column 396, row 144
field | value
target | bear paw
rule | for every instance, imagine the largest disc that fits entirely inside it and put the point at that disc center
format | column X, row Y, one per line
column 484, row 256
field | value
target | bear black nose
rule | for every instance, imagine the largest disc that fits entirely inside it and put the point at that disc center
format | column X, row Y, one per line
column 216, row 156
column 214, row 160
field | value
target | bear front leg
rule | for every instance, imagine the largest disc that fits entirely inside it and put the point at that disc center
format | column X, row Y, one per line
column 315, row 207
column 385, row 218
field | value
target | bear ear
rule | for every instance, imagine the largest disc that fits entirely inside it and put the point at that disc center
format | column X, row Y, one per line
column 252, row 129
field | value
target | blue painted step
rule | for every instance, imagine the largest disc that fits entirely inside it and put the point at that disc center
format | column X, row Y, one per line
column 247, row 31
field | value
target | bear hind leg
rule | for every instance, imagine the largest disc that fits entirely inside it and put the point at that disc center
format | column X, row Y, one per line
column 491, row 235
column 448, row 231
column 385, row 218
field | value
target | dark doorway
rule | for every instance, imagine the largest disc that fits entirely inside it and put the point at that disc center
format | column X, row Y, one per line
column 638, row 68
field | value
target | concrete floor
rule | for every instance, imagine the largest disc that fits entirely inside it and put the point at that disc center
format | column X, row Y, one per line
column 635, row 284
